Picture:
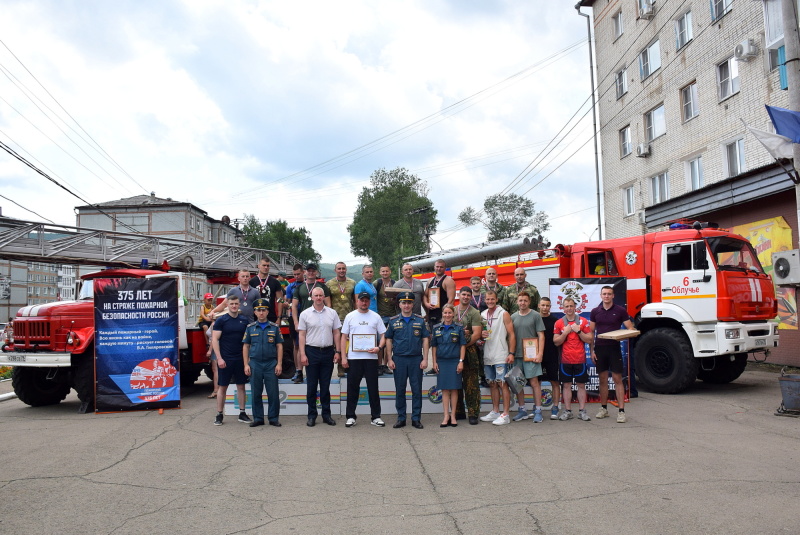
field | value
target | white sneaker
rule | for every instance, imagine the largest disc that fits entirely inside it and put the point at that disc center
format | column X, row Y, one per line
column 621, row 418
column 503, row 419
column 376, row 421
column 602, row 413
column 350, row 422
column 491, row 417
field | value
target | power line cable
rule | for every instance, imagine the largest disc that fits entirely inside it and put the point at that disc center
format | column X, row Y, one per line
column 26, row 209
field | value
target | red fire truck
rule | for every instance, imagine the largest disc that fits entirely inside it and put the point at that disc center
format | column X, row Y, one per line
column 697, row 293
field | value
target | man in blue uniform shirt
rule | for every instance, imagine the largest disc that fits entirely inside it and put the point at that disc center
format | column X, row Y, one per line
column 407, row 350
column 226, row 342
column 262, row 350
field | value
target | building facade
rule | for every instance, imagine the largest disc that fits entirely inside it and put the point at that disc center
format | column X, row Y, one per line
column 679, row 81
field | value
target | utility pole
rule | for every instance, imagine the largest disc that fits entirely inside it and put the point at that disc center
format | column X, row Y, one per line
column 594, row 118
column 425, row 231
column 792, row 62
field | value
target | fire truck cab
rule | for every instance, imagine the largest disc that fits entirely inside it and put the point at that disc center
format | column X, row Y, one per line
column 698, row 295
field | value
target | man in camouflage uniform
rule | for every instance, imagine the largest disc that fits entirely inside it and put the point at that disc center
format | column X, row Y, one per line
column 509, row 302
column 343, row 299
column 492, row 284
column 468, row 317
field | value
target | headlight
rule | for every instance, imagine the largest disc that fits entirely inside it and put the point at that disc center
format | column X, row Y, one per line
column 733, row 334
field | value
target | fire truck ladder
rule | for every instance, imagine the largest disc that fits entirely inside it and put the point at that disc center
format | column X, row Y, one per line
column 60, row 244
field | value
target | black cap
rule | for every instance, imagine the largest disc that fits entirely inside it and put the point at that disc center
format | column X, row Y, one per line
column 364, row 295
column 405, row 296
column 260, row 303
column 312, row 266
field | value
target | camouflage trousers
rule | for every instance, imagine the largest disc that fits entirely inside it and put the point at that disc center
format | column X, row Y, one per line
column 470, row 380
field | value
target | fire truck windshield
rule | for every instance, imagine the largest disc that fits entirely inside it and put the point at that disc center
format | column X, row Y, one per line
column 87, row 290
column 733, row 254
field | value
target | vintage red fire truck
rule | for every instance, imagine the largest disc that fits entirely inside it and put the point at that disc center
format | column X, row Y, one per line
column 52, row 349
column 697, row 293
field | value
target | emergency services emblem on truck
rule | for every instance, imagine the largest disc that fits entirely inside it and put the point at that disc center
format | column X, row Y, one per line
column 630, row 258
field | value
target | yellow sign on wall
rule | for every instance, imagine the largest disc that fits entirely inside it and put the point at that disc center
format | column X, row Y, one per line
column 770, row 236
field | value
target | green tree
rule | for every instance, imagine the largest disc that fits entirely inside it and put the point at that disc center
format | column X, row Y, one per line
column 392, row 217
column 507, row 216
column 279, row 236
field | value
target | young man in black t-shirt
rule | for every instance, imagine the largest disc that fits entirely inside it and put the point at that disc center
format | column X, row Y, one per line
column 550, row 356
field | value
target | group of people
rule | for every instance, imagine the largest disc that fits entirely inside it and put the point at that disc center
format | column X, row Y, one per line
column 373, row 327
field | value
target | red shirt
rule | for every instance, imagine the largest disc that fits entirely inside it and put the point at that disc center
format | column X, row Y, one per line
column 573, row 350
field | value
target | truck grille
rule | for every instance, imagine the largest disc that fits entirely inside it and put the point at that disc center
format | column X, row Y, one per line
column 32, row 332
column 758, row 332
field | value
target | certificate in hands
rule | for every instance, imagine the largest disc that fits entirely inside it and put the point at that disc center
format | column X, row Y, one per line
column 530, row 349
column 433, row 297
column 362, row 342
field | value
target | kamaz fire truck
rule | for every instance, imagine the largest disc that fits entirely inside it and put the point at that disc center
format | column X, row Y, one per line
column 697, row 293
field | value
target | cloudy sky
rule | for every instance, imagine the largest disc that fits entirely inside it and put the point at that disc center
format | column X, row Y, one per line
column 284, row 109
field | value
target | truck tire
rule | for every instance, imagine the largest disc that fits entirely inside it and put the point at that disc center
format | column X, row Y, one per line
column 665, row 363
column 34, row 388
column 726, row 368
column 83, row 375
column 190, row 375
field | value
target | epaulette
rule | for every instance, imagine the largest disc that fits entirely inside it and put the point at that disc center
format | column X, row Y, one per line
column 395, row 317
column 251, row 324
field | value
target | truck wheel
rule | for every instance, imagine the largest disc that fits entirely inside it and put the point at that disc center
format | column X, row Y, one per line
column 83, row 375
column 34, row 388
column 665, row 363
column 724, row 368
column 190, row 375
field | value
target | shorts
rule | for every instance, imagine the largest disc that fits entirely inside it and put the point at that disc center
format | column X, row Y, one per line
column 495, row 372
column 577, row 373
column 293, row 332
column 550, row 368
column 609, row 358
column 531, row 370
column 202, row 324
column 233, row 372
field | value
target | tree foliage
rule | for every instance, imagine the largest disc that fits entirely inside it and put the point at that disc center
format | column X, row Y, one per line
column 392, row 217
column 507, row 216
column 279, row 236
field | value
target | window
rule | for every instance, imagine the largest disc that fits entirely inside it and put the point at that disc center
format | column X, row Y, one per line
column 689, row 101
column 728, row 78
column 621, row 82
column 659, row 188
column 132, row 223
column 655, row 123
column 625, row 141
column 734, row 157
column 628, row 201
column 683, row 30
column 679, row 257
column 618, row 29
column 650, row 60
column 694, row 170
column 719, row 8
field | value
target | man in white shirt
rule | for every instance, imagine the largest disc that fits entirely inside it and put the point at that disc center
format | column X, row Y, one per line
column 363, row 329
column 318, row 331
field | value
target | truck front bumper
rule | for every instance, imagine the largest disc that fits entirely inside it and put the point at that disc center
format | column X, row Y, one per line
column 745, row 337
column 36, row 360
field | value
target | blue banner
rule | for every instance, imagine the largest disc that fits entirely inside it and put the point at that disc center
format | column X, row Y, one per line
column 136, row 344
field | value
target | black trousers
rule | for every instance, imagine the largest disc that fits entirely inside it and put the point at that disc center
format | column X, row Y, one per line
column 318, row 372
column 363, row 369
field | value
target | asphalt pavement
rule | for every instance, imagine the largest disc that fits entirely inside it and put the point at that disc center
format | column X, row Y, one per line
column 712, row 460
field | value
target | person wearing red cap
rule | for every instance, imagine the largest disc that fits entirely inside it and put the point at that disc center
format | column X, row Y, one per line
column 204, row 319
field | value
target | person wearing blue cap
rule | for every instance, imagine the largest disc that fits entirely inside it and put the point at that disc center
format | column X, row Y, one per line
column 407, row 354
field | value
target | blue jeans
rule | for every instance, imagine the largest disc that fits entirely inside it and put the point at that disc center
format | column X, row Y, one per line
column 407, row 370
column 263, row 374
column 319, row 371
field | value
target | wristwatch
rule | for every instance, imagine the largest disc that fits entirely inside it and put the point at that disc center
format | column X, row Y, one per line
column 337, row 351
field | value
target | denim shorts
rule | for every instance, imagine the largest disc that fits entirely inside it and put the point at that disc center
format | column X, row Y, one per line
column 495, row 372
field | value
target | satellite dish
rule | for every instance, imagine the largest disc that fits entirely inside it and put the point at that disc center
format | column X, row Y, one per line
column 226, row 220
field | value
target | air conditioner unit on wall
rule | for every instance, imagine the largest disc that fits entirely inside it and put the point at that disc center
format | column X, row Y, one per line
column 745, row 50
column 643, row 150
column 786, row 267
column 647, row 12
